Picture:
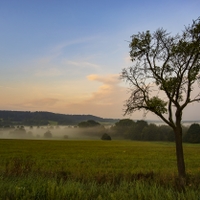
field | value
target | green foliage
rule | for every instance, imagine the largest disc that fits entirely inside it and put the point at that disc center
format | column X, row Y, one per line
column 53, row 123
column 122, row 128
column 136, row 130
column 105, row 136
column 150, row 133
column 48, row 134
column 157, row 105
column 141, row 130
column 91, row 128
column 193, row 134
column 165, row 62
column 124, row 123
column 89, row 123
column 166, row 133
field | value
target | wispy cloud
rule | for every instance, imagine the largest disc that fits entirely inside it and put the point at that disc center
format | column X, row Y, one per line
column 106, row 101
column 107, row 79
column 61, row 46
column 81, row 64
column 48, row 72
column 46, row 67
column 109, row 92
column 55, row 63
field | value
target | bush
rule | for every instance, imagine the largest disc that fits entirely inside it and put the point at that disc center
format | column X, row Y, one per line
column 105, row 136
column 48, row 134
column 66, row 137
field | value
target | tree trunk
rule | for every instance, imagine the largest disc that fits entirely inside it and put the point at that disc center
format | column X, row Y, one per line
column 180, row 156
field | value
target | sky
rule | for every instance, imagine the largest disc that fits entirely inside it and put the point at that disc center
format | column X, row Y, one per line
column 66, row 56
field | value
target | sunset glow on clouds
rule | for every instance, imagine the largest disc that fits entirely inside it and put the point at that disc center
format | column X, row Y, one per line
column 66, row 57
column 104, row 96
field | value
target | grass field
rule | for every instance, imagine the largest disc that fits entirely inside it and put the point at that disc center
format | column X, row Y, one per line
column 39, row 169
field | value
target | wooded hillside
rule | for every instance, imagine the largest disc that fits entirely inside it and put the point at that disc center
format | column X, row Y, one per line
column 43, row 118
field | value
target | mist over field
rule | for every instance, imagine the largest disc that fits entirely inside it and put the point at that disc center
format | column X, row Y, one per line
column 119, row 130
column 51, row 132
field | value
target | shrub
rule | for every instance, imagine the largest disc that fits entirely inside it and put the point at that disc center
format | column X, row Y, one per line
column 66, row 136
column 48, row 134
column 105, row 136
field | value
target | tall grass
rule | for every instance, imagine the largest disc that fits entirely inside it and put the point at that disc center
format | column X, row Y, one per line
column 95, row 170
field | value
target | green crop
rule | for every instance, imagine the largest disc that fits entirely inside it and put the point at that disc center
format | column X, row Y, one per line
column 39, row 169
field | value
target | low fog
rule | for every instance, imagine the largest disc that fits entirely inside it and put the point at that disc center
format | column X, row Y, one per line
column 51, row 132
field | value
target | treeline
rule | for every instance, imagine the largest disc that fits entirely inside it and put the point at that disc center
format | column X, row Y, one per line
column 142, row 131
column 123, row 129
column 27, row 133
column 91, row 128
column 27, row 118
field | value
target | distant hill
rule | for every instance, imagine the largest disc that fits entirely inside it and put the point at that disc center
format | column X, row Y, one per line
column 43, row 118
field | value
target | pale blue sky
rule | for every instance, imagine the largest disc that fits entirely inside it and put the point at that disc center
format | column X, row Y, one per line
column 65, row 56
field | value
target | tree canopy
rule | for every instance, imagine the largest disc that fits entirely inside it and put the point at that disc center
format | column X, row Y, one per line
column 166, row 63
column 105, row 136
column 88, row 124
column 165, row 71
column 193, row 134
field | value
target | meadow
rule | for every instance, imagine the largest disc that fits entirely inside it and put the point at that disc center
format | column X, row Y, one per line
column 95, row 169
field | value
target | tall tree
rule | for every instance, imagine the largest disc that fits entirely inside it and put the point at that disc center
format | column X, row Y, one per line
column 162, row 79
